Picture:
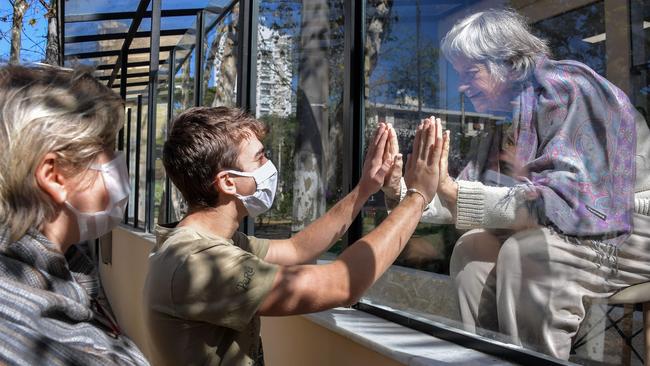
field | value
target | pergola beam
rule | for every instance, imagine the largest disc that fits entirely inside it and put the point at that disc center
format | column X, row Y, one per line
column 132, row 51
column 111, row 36
column 134, row 75
column 80, row 18
column 135, row 24
column 130, row 64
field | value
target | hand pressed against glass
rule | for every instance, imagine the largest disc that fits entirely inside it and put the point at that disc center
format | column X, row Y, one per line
column 378, row 161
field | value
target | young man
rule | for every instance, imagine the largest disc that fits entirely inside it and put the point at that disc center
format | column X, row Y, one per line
column 208, row 283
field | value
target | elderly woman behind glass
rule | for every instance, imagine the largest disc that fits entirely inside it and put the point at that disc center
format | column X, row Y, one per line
column 549, row 194
column 60, row 183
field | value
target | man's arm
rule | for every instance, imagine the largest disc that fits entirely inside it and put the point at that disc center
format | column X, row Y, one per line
column 321, row 234
column 305, row 289
column 309, row 288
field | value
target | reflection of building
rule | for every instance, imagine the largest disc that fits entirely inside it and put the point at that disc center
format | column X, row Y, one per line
column 274, row 73
column 406, row 117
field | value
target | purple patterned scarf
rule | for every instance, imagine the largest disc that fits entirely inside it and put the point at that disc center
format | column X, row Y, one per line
column 575, row 137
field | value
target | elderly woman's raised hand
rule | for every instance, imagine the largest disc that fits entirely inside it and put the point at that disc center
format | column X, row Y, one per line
column 391, row 186
column 423, row 164
column 448, row 188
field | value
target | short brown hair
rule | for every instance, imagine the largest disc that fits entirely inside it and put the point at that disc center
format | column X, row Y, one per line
column 202, row 142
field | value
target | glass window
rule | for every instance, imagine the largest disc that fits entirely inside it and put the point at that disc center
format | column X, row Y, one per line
column 221, row 47
column 545, row 232
column 92, row 62
column 79, row 47
column 161, row 134
column 182, row 99
column 515, row 279
column 177, row 22
column 93, row 7
column 97, row 27
column 136, row 148
column 585, row 43
column 299, row 95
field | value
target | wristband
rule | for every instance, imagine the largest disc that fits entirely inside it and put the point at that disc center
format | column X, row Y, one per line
column 424, row 198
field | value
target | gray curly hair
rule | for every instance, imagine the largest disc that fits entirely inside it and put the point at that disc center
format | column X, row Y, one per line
column 43, row 110
column 500, row 39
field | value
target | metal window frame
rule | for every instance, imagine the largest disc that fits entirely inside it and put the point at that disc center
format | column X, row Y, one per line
column 128, row 157
column 198, row 59
column 504, row 351
column 138, row 139
column 353, row 105
column 247, row 70
column 152, row 107
column 170, row 111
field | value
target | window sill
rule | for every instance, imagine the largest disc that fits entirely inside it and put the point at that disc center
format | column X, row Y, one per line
column 397, row 342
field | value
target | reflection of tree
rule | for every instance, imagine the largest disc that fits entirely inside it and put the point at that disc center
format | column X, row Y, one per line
column 377, row 29
column 378, row 26
column 567, row 43
column 223, row 52
column 316, row 30
column 400, row 83
column 186, row 85
column 283, row 130
column 183, row 99
column 313, row 94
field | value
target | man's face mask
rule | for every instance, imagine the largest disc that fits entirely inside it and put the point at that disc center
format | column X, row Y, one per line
column 266, row 178
column 116, row 182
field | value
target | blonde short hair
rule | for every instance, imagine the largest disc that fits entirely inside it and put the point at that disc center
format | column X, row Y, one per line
column 48, row 110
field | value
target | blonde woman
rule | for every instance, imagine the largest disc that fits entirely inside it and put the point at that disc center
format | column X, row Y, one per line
column 61, row 182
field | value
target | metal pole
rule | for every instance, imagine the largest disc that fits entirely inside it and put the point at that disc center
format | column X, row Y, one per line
column 152, row 105
column 247, row 70
column 170, row 114
column 128, row 157
column 138, row 140
column 123, row 79
column 60, row 9
column 353, row 105
column 198, row 61
column 418, row 57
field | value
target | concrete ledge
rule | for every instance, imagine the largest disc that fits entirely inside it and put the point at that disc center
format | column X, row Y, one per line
column 404, row 345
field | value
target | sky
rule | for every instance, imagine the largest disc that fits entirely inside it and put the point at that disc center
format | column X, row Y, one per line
column 35, row 32
column 34, row 35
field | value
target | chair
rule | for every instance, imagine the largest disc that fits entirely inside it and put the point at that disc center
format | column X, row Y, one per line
column 630, row 298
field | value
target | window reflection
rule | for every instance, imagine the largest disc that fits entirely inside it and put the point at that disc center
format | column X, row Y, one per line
column 553, row 143
column 183, row 99
column 220, row 59
column 299, row 95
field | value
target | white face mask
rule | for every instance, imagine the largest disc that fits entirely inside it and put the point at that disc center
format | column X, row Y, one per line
column 92, row 225
column 266, row 178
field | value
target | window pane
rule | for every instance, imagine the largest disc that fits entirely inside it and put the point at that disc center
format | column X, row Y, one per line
column 299, row 94
column 219, row 84
column 183, row 99
column 159, row 215
column 524, row 274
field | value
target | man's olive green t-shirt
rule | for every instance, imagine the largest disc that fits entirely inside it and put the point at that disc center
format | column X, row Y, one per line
column 201, row 295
